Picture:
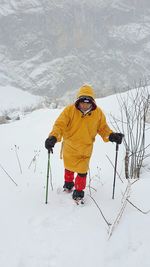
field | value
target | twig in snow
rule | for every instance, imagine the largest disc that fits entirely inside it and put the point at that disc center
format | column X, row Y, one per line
column 89, row 185
column 100, row 211
column 34, row 160
column 135, row 181
column 124, row 203
column 18, row 160
column 90, row 182
column 8, row 175
column 144, row 212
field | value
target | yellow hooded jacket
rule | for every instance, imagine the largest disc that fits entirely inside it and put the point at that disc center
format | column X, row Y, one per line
column 78, row 132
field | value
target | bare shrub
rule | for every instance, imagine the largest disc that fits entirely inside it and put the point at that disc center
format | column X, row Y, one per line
column 132, row 123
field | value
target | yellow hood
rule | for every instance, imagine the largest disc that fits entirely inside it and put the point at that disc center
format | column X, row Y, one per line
column 86, row 90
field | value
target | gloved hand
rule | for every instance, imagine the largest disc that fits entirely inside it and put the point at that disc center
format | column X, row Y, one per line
column 116, row 137
column 50, row 142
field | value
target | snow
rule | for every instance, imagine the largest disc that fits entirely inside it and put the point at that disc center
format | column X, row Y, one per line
column 132, row 32
column 12, row 98
column 60, row 233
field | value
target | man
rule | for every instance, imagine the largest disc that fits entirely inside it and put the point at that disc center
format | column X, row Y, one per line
column 78, row 125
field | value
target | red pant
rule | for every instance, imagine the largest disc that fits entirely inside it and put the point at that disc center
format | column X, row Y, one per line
column 80, row 179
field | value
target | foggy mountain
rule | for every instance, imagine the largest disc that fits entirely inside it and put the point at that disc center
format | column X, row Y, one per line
column 52, row 47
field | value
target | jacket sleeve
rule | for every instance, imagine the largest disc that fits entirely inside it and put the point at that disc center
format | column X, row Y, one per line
column 104, row 131
column 60, row 124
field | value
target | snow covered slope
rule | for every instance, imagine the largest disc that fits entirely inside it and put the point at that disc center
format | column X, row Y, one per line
column 33, row 234
column 13, row 99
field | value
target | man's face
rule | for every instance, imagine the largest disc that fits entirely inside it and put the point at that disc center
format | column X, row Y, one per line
column 84, row 106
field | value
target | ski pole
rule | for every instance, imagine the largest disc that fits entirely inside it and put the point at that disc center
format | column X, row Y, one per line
column 48, row 170
column 115, row 170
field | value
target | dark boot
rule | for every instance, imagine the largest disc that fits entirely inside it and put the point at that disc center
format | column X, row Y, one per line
column 77, row 194
column 68, row 186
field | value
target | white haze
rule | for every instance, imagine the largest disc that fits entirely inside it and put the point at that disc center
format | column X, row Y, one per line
column 50, row 48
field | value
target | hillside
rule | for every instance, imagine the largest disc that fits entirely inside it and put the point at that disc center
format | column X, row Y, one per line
column 16, row 102
column 52, row 47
